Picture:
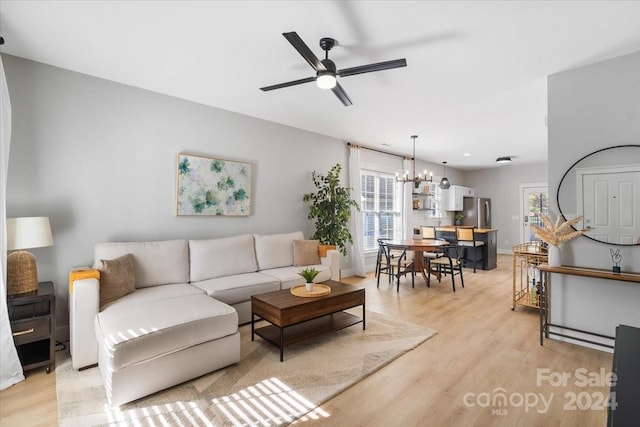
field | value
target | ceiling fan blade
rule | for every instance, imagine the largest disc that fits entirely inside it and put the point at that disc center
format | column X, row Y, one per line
column 342, row 95
column 287, row 84
column 304, row 50
column 379, row 66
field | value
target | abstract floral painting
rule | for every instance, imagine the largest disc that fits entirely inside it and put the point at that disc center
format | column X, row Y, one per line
column 209, row 186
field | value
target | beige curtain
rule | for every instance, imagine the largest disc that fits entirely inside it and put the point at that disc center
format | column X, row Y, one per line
column 407, row 200
column 356, row 227
column 10, row 368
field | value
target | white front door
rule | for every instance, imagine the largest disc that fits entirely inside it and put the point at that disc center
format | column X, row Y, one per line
column 611, row 205
column 534, row 201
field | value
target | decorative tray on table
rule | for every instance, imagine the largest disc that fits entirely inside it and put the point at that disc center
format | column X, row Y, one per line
column 319, row 290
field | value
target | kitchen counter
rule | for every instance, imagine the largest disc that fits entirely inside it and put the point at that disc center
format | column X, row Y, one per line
column 452, row 229
column 487, row 235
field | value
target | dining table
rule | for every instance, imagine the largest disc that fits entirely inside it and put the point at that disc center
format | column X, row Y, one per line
column 419, row 247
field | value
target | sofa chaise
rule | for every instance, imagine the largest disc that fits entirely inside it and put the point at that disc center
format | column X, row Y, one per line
column 177, row 305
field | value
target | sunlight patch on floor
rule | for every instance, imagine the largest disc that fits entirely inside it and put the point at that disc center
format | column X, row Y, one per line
column 178, row 414
column 267, row 403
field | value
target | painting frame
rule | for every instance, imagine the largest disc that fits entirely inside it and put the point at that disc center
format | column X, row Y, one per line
column 209, row 186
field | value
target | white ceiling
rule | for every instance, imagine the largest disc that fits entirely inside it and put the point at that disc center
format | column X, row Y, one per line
column 475, row 80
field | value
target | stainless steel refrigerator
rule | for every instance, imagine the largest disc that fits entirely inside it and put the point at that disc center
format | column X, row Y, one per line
column 477, row 212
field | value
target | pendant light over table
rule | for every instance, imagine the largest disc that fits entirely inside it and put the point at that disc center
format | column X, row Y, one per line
column 444, row 182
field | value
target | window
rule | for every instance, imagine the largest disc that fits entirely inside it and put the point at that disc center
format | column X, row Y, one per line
column 381, row 217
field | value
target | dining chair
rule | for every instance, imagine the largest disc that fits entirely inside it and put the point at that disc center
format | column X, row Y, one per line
column 384, row 264
column 429, row 232
column 449, row 264
column 404, row 265
column 466, row 237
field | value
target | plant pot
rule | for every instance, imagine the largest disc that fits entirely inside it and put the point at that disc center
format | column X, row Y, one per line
column 322, row 249
column 554, row 256
column 308, row 286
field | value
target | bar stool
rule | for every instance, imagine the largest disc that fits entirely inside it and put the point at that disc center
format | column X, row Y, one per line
column 466, row 238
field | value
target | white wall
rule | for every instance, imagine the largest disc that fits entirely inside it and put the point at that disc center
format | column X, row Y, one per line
column 590, row 108
column 99, row 159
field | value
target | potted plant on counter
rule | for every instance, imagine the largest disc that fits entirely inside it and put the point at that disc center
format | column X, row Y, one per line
column 330, row 208
column 457, row 218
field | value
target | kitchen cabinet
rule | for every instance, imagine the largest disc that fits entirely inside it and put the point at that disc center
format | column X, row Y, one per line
column 489, row 249
column 452, row 198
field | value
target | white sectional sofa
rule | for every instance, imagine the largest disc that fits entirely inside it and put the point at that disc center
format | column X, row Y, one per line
column 181, row 321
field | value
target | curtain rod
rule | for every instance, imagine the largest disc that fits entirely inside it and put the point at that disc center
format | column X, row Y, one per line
column 379, row 151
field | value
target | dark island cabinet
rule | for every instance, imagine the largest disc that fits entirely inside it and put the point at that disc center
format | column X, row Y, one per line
column 489, row 249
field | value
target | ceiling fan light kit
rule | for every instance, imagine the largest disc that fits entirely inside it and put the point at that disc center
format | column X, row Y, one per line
column 326, row 72
column 326, row 80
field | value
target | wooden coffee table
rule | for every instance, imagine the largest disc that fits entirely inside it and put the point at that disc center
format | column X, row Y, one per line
column 294, row 319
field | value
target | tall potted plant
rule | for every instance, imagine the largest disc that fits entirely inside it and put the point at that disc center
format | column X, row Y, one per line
column 330, row 209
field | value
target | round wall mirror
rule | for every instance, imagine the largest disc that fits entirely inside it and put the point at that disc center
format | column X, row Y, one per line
column 604, row 187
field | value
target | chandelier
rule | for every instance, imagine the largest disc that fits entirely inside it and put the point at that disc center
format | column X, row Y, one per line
column 415, row 179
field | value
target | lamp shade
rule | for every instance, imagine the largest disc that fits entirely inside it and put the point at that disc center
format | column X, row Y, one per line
column 28, row 232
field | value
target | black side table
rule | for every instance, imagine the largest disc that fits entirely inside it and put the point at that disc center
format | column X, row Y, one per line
column 32, row 319
column 625, row 390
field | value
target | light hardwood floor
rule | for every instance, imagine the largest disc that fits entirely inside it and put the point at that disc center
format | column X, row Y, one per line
column 483, row 350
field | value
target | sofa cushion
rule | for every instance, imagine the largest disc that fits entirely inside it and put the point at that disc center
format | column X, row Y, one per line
column 289, row 275
column 239, row 288
column 156, row 328
column 154, row 263
column 275, row 250
column 222, row 257
column 153, row 293
column 305, row 252
column 117, row 278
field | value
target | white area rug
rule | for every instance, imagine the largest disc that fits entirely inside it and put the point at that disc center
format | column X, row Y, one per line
column 259, row 390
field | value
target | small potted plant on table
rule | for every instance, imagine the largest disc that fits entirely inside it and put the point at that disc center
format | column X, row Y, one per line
column 309, row 274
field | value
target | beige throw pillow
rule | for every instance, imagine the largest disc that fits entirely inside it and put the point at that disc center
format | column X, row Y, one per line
column 305, row 252
column 117, row 278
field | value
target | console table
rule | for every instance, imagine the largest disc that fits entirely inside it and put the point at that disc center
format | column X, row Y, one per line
column 545, row 270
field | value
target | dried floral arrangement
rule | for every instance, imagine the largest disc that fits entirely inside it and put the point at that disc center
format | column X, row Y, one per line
column 558, row 232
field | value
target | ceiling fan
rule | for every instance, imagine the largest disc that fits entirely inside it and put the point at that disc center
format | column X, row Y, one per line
column 325, row 69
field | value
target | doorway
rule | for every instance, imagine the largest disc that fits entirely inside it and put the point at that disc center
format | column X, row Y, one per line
column 534, row 200
column 610, row 203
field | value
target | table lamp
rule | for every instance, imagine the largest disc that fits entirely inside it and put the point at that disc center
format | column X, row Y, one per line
column 25, row 233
